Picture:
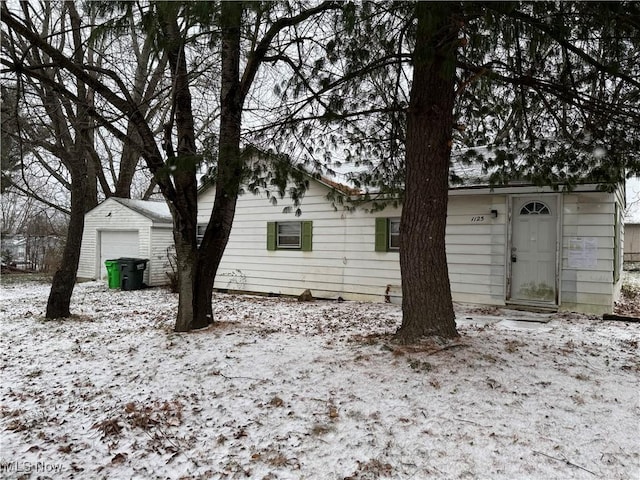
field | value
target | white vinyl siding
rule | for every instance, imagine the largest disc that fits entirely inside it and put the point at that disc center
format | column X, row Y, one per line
column 342, row 262
column 476, row 248
column 159, row 264
column 591, row 215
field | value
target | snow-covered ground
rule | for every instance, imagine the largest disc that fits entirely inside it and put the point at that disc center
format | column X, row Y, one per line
column 279, row 389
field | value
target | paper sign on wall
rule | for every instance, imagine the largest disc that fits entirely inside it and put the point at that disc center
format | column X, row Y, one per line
column 583, row 252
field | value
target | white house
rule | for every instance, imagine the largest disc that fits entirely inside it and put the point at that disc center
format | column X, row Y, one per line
column 516, row 245
column 14, row 249
column 120, row 227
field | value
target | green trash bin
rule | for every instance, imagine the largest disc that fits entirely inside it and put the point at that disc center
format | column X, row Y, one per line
column 113, row 273
column 132, row 273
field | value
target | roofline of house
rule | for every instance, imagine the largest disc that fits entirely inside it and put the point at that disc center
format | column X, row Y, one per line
column 527, row 187
column 331, row 184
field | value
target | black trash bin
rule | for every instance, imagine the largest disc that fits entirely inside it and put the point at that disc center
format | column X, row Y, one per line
column 132, row 273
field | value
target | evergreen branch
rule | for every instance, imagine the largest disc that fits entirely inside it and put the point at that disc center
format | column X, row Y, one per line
column 565, row 43
column 333, row 117
column 629, row 117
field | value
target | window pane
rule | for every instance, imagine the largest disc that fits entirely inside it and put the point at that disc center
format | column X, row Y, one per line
column 200, row 233
column 394, row 233
column 289, row 228
column 289, row 241
column 289, row 234
column 535, row 208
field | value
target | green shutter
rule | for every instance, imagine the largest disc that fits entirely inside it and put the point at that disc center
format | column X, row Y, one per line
column 382, row 235
column 271, row 235
column 307, row 233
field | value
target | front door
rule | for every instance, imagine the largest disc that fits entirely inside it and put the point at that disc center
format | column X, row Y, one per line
column 534, row 244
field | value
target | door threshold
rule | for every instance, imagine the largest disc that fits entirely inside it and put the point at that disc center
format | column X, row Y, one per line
column 536, row 308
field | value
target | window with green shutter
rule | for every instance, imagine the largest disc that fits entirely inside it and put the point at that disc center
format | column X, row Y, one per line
column 387, row 234
column 290, row 236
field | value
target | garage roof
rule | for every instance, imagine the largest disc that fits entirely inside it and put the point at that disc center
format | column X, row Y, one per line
column 153, row 210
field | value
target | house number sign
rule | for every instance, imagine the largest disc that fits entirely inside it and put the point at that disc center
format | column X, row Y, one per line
column 478, row 218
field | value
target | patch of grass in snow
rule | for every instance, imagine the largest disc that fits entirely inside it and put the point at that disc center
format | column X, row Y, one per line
column 631, row 279
column 420, row 366
column 629, row 302
column 34, row 373
column 7, row 279
column 513, row 345
column 275, row 458
column 320, row 429
column 371, row 469
column 74, row 317
column 110, row 427
column 630, row 289
column 159, row 420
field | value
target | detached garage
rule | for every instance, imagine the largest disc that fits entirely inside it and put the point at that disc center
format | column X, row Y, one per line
column 121, row 227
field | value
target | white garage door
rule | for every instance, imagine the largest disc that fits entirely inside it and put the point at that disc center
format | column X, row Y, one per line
column 115, row 244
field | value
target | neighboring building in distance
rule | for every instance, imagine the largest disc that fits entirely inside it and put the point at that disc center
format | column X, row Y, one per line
column 632, row 242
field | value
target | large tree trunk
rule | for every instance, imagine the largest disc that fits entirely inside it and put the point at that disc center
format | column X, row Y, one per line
column 58, row 305
column 427, row 308
column 83, row 182
column 182, row 165
column 229, row 175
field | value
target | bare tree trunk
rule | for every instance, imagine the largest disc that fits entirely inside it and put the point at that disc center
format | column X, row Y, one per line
column 83, row 188
column 229, row 162
column 182, row 164
column 145, row 88
column 427, row 307
column 58, row 304
column 128, row 163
